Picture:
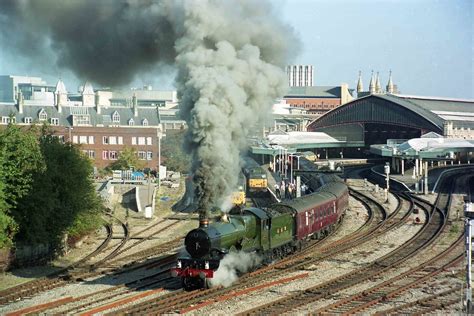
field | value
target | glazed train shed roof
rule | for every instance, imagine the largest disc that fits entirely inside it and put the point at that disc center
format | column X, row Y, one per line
column 412, row 110
column 461, row 112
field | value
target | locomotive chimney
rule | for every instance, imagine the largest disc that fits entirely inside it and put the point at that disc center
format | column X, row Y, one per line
column 203, row 220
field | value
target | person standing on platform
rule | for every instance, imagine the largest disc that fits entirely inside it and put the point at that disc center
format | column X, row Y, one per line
column 290, row 191
column 277, row 191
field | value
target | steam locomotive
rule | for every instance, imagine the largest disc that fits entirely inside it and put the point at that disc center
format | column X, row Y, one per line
column 272, row 232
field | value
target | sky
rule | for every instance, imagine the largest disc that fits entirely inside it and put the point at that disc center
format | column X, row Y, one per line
column 428, row 45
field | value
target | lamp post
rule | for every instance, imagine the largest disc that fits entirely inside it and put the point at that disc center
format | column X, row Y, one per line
column 159, row 134
column 387, row 179
column 69, row 128
column 291, row 166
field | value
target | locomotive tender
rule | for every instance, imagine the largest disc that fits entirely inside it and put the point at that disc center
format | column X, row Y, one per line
column 271, row 232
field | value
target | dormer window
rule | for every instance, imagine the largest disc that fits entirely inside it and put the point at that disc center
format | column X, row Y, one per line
column 42, row 115
column 145, row 122
column 116, row 117
column 28, row 120
column 131, row 122
column 54, row 121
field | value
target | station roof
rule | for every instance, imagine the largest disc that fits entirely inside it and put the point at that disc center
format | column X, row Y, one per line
column 438, row 110
column 427, row 113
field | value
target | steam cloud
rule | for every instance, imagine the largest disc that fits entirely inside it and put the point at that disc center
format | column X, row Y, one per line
column 229, row 56
column 233, row 264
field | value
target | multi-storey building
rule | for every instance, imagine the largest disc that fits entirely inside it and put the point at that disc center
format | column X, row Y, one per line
column 300, row 75
column 102, row 122
column 318, row 99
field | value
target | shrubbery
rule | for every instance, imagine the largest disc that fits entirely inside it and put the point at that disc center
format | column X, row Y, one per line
column 47, row 188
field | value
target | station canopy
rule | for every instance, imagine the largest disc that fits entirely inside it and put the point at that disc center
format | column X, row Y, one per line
column 430, row 145
column 292, row 141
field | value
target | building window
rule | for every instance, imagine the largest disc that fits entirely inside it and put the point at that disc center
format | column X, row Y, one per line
column 113, row 155
column 42, row 116
column 113, row 140
column 149, row 155
column 142, row 155
column 120, row 140
column 134, row 140
column 91, row 139
column 131, row 122
column 82, row 139
column 5, row 120
column 80, row 120
column 91, row 154
column 145, row 122
column 141, row 140
column 74, row 139
column 149, row 141
column 116, row 117
column 28, row 120
column 105, row 140
column 105, row 155
column 54, row 121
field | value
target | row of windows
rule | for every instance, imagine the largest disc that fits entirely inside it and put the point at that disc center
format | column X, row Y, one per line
column 309, row 106
column 82, row 139
column 29, row 120
column 113, row 155
column 131, row 122
column 8, row 120
column 317, row 215
column 111, row 140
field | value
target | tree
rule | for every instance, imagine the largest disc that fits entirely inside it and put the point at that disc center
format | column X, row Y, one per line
column 20, row 157
column 127, row 159
column 173, row 152
column 63, row 193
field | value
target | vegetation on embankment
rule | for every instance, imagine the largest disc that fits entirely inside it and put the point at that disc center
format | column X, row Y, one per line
column 46, row 188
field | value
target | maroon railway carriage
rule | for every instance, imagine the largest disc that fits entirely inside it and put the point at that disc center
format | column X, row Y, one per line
column 318, row 212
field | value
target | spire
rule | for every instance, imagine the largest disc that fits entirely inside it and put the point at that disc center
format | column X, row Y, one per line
column 390, row 84
column 378, row 86
column 360, row 86
column 60, row 87
column 372, row 83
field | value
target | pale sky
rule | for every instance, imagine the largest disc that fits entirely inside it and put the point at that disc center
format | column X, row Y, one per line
column 427, row 44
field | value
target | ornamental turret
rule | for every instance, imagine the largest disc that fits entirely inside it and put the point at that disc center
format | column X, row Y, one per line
column 390, row 88
column 360, row 86
column 372, row 83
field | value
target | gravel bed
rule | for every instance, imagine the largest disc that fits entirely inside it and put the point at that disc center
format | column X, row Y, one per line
column 327, row 269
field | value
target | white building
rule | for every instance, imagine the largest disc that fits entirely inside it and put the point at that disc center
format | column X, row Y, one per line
column 300, row 75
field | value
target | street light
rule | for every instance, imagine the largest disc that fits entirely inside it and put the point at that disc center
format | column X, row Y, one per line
column 69, row 128
column 291, row 166
column 159, row 134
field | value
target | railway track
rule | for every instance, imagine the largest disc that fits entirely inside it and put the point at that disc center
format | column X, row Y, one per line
column 431, row 230
column 181, row 300
column 78, row 271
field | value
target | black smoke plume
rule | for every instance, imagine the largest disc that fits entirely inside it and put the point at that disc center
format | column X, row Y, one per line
column 229, row 55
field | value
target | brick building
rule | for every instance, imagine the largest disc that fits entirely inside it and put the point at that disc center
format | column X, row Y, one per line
column 318, row 99
column 100, row 122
